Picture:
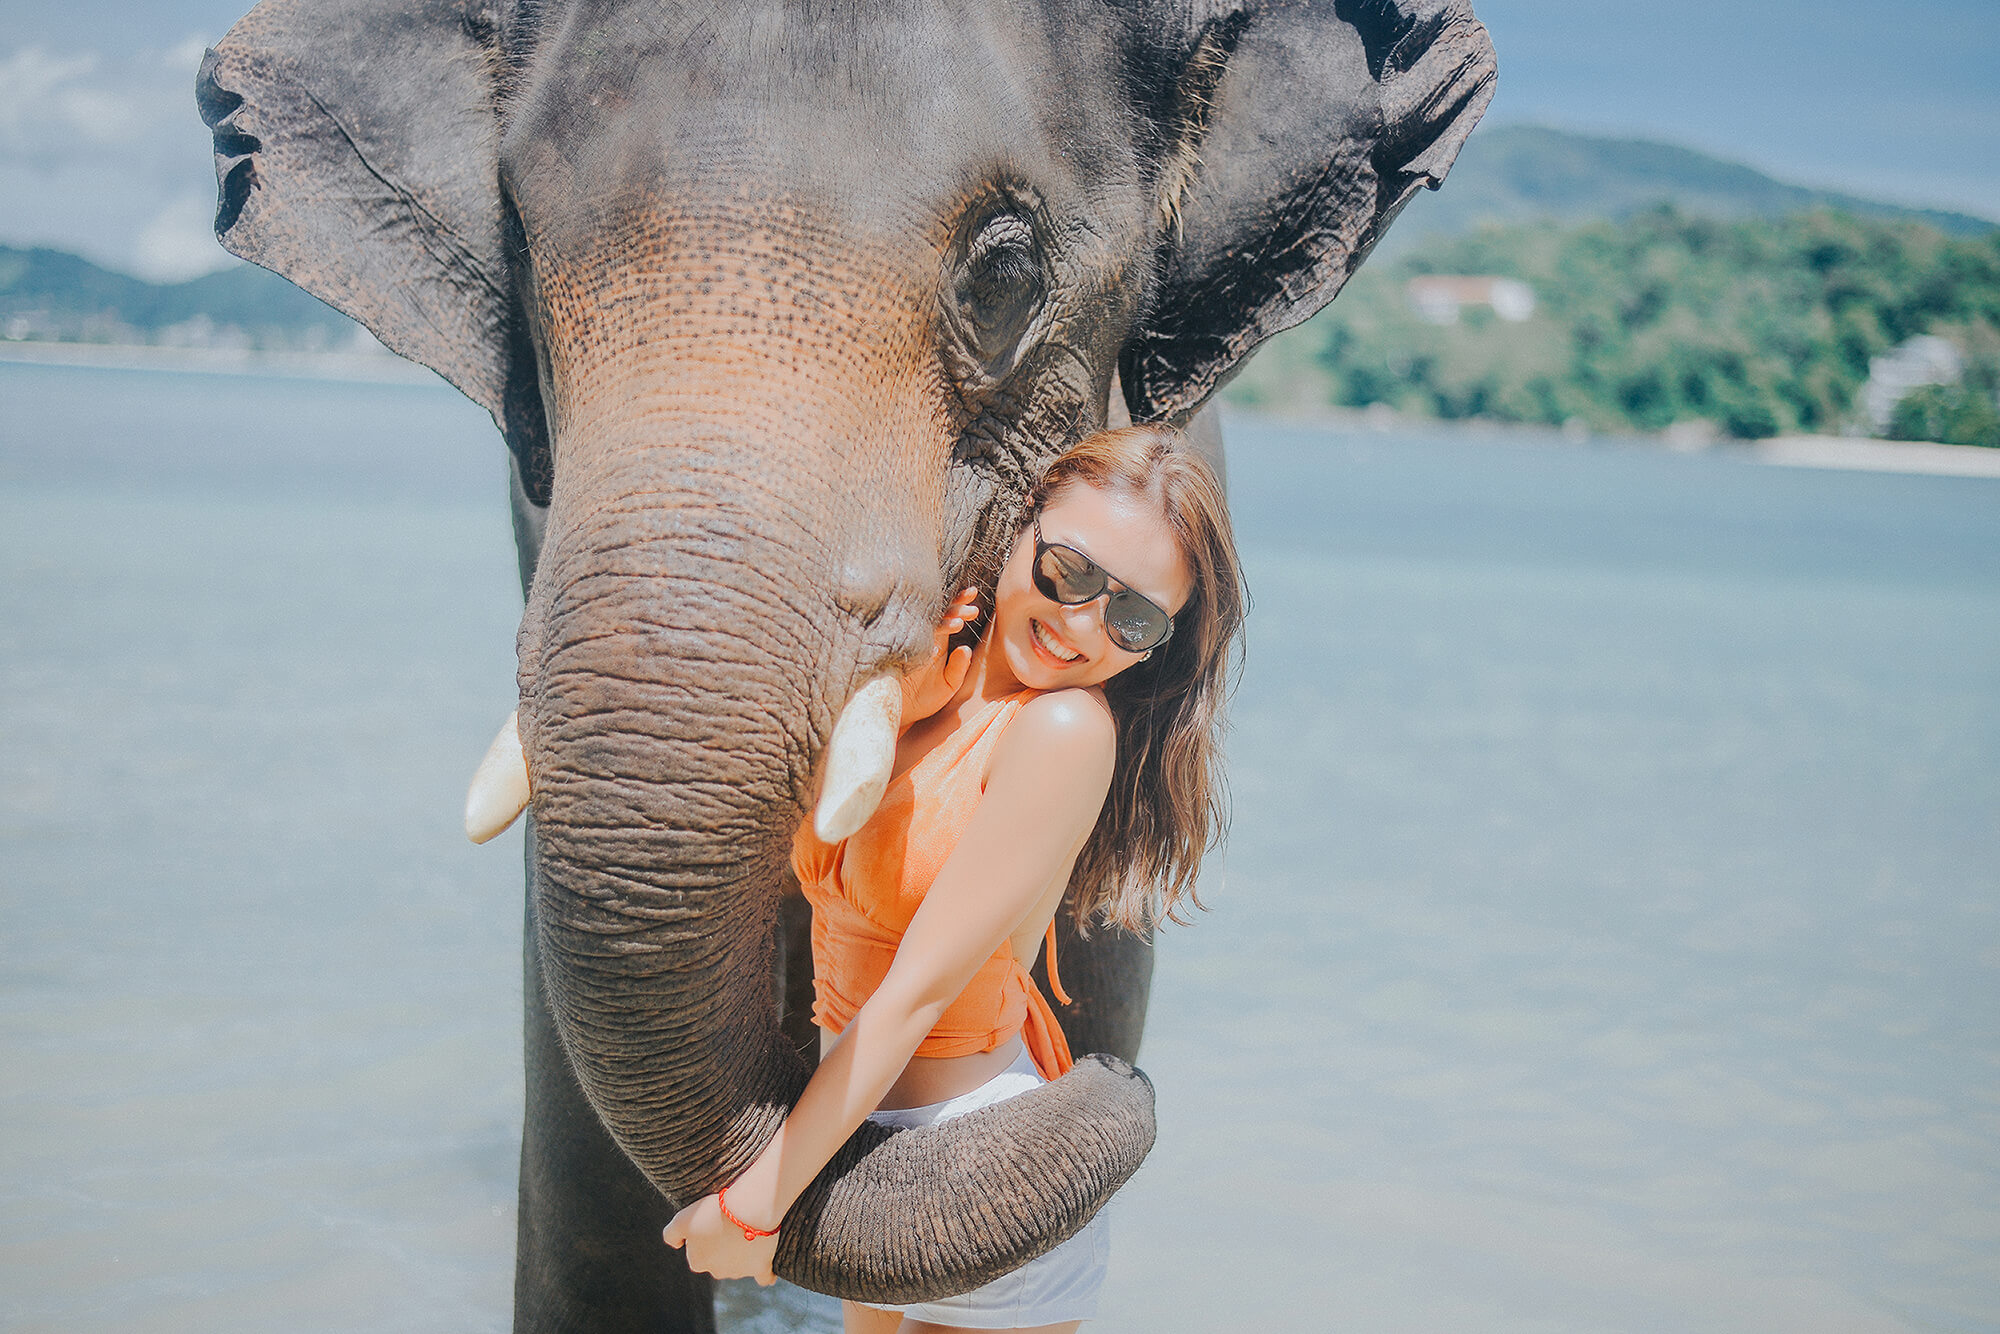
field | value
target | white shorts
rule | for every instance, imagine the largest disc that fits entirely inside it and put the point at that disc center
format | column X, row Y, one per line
column 1052, row 1288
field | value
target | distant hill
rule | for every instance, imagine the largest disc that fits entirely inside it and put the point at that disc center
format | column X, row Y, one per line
column 1525, row 173
column 51, row 295
column 1506, row 174
column 1749, row 328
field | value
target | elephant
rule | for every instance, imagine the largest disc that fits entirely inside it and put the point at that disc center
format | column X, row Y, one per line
column 780, row 307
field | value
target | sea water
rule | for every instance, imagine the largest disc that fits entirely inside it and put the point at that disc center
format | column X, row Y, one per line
column 1608, row 937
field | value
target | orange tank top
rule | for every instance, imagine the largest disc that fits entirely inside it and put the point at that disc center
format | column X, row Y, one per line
column 865, row 889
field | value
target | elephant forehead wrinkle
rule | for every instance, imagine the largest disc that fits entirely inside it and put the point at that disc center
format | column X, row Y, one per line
column 699, row 383
column 657, row 823
column 664, row 892
column 821, row 307
column 638, row 576
column 792, row 491
column 642, row 1045
column 755, row 656
column 636, row 880
column 593, row 898
column 733, row 603
column 741, row 740
column 639, row 658
column 684, row 951
column 676, row 247
column 668, row 748
column 657, row 714
column 748, row 748
column 612, row 932
column 683, row 955
column 584, row 695
column 619, row 670
column 678, row 514
column 732, row 379
column 631, row 890
column 638, row 890
column 664, row 811
column 747, row 422
column 578, row 709
column 687, row 800
column 636, row 564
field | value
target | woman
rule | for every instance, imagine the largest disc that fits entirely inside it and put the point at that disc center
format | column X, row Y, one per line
column 1074, row 748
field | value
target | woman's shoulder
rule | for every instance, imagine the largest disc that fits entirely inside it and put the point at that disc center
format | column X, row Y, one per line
column 1072, row 725
column 1073, row 707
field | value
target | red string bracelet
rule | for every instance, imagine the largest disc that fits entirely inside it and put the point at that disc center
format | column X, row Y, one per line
column 749, row 1233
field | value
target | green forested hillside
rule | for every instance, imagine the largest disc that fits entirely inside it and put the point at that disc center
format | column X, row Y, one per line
column 1756, row 327
column 1747, row 305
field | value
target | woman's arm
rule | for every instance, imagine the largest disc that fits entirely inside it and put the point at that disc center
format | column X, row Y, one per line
column 1044, row 789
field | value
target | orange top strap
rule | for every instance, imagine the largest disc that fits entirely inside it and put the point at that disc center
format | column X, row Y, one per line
column 1055, row 981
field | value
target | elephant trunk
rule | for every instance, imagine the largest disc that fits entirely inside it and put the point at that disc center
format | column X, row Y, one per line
column 679, row 685
column 660, row 768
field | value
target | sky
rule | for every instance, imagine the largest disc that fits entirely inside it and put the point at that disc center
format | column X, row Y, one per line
column 101, row 152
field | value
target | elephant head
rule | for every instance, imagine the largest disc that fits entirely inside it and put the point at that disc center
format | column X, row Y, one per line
column 781, row 307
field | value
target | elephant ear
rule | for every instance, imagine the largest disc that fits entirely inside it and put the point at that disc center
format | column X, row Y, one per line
column 356, row 153
column 1309, row 124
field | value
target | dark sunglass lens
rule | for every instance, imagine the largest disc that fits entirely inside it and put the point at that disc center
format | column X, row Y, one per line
column 1133, row 622
column 1066, row 577
column 1045, row 584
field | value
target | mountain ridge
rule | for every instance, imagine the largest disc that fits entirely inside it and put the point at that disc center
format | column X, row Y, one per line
column 1509, row 173
column 52, row 295
column 1523, row 172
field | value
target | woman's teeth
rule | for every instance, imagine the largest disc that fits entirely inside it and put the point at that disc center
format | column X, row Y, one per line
column 1047, row 641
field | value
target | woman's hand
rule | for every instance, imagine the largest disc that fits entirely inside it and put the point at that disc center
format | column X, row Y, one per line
column 931, row 686
column 716, row 1246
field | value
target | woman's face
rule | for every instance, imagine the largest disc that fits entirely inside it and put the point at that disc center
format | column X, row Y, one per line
column 1049, row 646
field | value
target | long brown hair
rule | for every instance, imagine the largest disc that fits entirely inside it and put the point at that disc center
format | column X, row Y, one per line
column 1168, row 803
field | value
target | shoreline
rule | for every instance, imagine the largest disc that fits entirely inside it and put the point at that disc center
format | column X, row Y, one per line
column 1841, row 453
column 1862, row 454
column 363, row 367
column 1838, row 453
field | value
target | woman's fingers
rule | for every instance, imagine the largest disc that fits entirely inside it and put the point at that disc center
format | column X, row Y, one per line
column 955, row 668
column 965, row 607
column 929, row 686
column 963, row 611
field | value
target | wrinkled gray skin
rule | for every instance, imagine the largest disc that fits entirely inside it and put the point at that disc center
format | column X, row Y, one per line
column 780, row 307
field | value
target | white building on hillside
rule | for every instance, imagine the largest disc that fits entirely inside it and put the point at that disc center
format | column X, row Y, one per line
column 1925, row 359
column 1439, row 297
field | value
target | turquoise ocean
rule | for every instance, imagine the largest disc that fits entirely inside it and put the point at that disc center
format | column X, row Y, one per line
column 1608, row 937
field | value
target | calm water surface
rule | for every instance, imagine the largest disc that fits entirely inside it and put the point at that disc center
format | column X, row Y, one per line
column 1609, row 938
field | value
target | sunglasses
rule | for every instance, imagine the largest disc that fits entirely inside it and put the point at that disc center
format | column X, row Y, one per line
column 1063, row 574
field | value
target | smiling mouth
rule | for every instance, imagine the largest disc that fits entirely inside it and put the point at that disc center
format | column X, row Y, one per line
column 1050, row 645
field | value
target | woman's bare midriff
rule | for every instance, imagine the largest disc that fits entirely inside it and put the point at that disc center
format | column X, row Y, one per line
column 929, row 1079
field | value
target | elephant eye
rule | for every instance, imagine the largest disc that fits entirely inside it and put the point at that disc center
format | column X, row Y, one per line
column 1000, row 285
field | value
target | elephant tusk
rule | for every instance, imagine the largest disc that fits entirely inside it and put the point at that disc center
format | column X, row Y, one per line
column 499, row 791
column 859, row 759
